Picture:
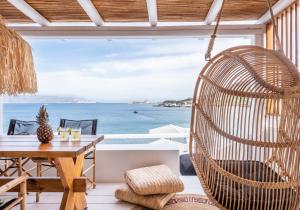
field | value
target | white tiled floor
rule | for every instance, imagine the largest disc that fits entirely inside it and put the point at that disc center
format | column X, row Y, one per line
column 102, row 198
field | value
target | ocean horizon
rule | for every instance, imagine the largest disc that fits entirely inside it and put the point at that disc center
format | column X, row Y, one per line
column 113, row 118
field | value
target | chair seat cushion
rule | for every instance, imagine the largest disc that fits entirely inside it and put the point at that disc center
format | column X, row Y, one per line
column 150, row 201
column 153, row 180
column 185, row 202
column 230, row 195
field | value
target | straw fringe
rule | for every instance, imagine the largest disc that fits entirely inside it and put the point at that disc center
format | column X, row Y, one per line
column 16, row 64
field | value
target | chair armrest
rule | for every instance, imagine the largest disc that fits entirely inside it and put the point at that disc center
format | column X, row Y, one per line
column 13, row 183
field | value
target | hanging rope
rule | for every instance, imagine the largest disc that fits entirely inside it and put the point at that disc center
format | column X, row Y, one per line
column 275, row 28
column 214, row 35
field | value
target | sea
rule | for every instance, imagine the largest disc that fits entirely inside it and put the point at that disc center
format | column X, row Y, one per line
column 113, row 118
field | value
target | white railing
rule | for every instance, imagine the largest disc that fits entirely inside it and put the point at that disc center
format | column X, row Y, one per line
column 146, row 141
column 146, row 136
column 178, row 140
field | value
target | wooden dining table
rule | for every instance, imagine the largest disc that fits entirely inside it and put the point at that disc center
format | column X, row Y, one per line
column 68, row 157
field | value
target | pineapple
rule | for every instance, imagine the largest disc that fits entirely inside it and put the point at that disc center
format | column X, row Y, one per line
column 44, row 131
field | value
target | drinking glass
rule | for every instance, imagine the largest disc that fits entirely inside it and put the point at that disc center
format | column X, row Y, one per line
column 75, row 133
column 64, row 134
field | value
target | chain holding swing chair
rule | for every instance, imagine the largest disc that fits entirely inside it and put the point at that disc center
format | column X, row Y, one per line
column 245, row 128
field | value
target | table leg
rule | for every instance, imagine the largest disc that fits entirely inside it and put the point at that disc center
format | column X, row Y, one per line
column 68, row 169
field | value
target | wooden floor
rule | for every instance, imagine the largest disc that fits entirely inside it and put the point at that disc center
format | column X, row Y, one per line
column 101, row 198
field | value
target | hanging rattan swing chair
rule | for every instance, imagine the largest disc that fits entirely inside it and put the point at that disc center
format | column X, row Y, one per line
column 245, row 129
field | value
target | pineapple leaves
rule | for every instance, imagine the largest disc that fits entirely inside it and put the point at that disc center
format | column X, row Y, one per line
column 42, row 118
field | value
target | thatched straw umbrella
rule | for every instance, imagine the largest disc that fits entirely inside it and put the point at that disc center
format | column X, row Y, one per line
column 17, row 74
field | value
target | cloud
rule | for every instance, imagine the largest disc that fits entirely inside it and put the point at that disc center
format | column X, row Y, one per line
column 154, row 85
column 145, row 65
column 122, row 70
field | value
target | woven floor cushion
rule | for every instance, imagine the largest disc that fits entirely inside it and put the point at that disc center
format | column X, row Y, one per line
column 150, row 201
column 185, row 202
column 153, row 180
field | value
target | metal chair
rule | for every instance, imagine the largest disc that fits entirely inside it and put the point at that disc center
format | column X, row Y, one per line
column 18, row 127
column 88, row 127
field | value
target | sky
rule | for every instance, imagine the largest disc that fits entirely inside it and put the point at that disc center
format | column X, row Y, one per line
column 122, row 70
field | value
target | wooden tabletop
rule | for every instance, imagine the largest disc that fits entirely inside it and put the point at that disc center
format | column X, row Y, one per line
column 29, row 146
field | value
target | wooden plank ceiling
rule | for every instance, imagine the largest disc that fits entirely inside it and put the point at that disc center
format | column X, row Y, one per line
column 122, row 10
column 60, row 11
column 245, row 9
column 11, row 14
column 183, row 10
column 135, row 10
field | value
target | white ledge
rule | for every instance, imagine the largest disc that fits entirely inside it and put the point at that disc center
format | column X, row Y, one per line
column 137, row 147
column 146, row 136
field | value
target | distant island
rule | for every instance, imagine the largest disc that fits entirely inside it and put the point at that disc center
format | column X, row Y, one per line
column 176, row 103
column 140, row 102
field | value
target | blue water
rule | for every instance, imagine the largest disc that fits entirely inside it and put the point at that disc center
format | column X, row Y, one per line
column 112, row 118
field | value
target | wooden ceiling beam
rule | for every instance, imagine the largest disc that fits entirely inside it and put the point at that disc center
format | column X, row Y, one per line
column 30, row 12
column 277, row 8
column 91, row 11
column 213, row 11
column 152, row 12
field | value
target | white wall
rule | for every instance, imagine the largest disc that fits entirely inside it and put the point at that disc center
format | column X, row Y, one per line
column 113, row 160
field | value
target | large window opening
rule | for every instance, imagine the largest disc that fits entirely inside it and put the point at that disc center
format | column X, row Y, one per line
column 122, row 83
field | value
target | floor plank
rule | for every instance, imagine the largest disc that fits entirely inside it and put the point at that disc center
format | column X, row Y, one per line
column 101, row 198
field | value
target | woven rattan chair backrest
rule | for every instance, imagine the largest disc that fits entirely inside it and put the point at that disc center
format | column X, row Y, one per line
column 245, row 129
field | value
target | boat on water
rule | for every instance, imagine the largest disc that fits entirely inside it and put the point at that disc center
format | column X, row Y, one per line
column 135, row 112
